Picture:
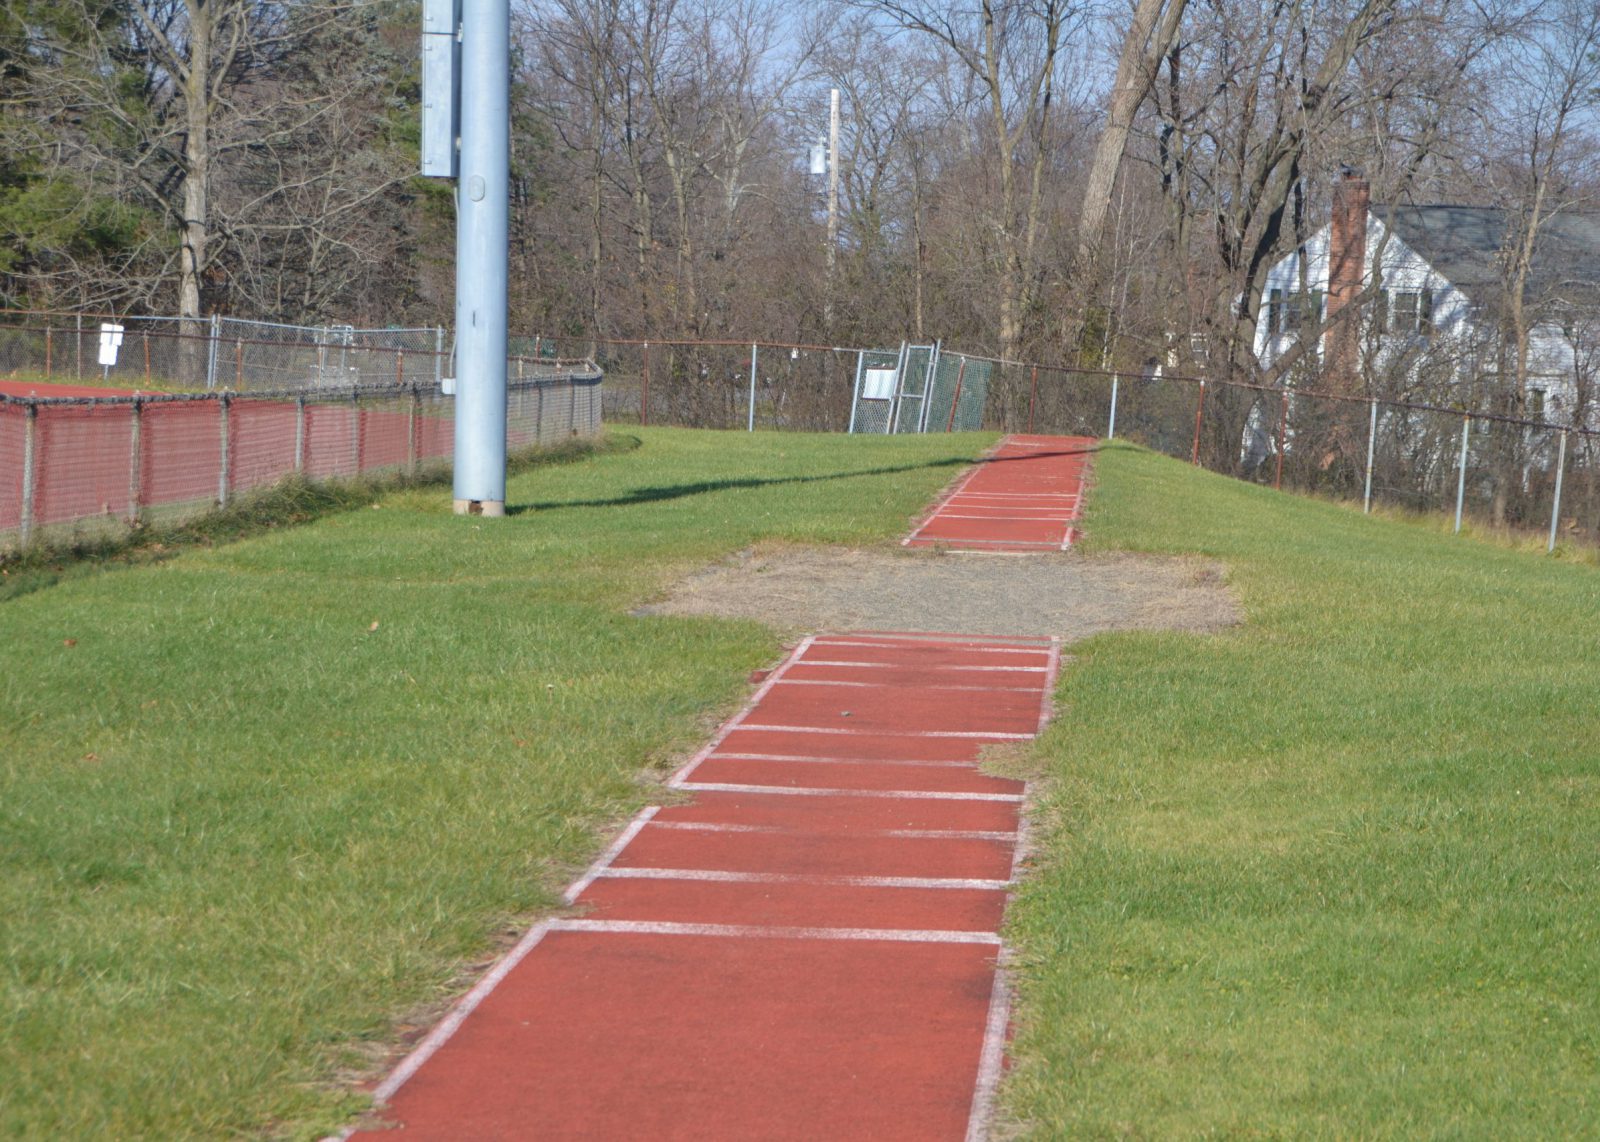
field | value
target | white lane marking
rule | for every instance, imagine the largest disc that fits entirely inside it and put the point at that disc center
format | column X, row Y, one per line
column 775, row 932
column 726, row 876
column 717, row 827
column 813, row 791
column 613, row 850
column 991, row 1062
column 1037, row 648
column 909, row 666
column 908, row 686
column 840, row 760
column 1047, row 706
column 948, row 834
column 749, row 707
column 979, row 735
column 953, row 639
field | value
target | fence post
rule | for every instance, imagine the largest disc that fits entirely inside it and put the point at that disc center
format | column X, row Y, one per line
column 1461, row 475
column 1199, row 411
column 644, row 394
column 1283, row 438
column 135, row 462
column 752, row 425
column 438, row 353
column 411, row 430
column 238, row 365
column 399, row 367
column 211, row 352
column 955, row 401
column 855, row 392
column 1033, row 396
column 49, row 345
column 223, row 403
column 146, row 338
column 1372, row 445
column 1555, row 508
column 30, row 470
column 300, row 433
column 78, row 348
column 1111, row 424
column 355, row 426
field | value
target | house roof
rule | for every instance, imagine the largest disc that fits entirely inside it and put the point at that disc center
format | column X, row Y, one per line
column 1464, row 244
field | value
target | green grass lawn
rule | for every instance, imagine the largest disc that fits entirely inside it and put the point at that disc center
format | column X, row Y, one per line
column 260, row 803
column 1336, row 872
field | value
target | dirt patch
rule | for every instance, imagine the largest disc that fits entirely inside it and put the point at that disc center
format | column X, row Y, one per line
column 1066, row 594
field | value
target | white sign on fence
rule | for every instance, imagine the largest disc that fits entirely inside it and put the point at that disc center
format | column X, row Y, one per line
column 110, row 342
column 878, row 384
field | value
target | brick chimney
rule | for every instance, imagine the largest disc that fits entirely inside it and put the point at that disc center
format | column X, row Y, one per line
column 1347, row 258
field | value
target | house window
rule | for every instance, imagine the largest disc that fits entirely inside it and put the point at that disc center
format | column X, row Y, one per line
column 1534, row 406
column 1409, row 311
column 1289, row 313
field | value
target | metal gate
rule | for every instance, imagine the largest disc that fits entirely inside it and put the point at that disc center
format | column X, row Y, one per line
column 920, row 388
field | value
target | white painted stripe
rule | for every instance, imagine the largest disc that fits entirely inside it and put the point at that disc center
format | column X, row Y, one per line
column 991, row 1061
column 913, row 666
column 717, row 827
column 839, row 760
column 1052, row 677
column 908, row 686
column 976, row 735
column 612, row 851
column 956, row 648
column 448, row 1026
column 813, row 791
column 733, row 723
column 953, row 639
column 1051, row 519
column 1016, row 496
column 946, row 834
column 726, row 876
column 756, row 931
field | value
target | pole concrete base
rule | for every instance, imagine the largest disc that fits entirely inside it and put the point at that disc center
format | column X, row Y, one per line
column 494, row 508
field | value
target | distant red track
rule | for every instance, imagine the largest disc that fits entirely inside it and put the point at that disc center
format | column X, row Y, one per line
column 1026, row 495
column 32, row 389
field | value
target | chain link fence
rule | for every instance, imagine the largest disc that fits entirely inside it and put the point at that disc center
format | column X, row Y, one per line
column 1393, row 448
column 215, row 353
column 74, row 468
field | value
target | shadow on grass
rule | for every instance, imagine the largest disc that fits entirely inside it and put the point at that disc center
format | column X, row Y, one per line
column 658, row 493
column 288, row 503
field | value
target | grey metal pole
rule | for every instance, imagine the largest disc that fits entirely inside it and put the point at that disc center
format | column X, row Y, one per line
column 928, row 380
column 855, row 393
column 1372, row 444
column 482, row 234
column 135, row 461
column 438, row 353
column 1461, row 475
column 300, row 433
column 752, row 425
column 211, row 352
column 1111, row 425
column 30, row 472
column 224, row 461
column 1555, row 509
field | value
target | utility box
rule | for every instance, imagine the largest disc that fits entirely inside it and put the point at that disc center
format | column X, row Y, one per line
column 441, row 88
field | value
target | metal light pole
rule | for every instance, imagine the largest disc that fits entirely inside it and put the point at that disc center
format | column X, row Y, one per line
column 466, row 53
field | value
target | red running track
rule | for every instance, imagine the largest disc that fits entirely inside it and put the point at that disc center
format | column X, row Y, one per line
column 804, row 948
column 1026, row 495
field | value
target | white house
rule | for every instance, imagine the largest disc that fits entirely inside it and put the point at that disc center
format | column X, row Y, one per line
column 1429, row 283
